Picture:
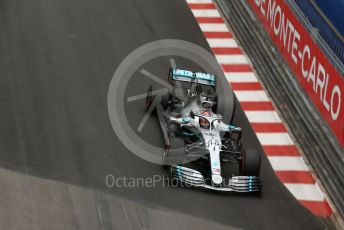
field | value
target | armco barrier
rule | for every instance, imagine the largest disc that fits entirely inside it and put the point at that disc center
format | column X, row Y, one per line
column 318, row 77
column 305, row 122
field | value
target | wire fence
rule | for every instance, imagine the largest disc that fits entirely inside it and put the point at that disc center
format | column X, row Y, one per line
column 327, row 40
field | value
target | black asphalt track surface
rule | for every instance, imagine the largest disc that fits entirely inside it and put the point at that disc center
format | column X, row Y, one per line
column 57, row 146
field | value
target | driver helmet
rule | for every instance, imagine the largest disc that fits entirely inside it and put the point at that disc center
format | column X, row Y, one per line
column 204, row 123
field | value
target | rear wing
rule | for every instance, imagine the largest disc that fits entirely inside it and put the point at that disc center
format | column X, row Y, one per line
column 194, row 77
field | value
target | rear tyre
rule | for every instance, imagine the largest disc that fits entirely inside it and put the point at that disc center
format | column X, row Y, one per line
column 232, row 118
column 225, row 103
column 250, row 163
column 214, row 107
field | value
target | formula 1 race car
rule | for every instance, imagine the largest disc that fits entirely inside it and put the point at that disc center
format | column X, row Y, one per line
column 198, row 144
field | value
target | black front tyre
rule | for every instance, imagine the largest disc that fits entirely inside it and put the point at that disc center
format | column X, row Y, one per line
column 224, row 104
column 250, row 163
column 214, row 107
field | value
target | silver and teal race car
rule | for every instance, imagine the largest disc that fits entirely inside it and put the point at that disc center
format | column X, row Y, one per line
column 198, row 144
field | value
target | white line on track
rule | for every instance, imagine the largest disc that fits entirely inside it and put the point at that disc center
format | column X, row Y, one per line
column 231, row 59
column 251, row 95
column 287, row 163
column 222, row 42
column 199, row 1
column 263, row 117
column 241, row 77
column 213, row 27
column 306, row 192
column 274, row 139
column 206, row 13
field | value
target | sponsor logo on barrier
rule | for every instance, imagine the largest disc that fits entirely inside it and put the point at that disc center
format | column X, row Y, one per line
column 316, row 75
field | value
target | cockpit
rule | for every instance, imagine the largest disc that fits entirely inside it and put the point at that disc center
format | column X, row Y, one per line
column 208, row 120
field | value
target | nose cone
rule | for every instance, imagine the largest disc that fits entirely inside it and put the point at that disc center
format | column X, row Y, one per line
column 217, row 179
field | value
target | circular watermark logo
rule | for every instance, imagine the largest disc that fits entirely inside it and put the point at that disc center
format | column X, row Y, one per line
column 134, row 63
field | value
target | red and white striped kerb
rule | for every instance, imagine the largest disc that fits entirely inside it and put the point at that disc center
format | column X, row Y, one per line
column 283, row 155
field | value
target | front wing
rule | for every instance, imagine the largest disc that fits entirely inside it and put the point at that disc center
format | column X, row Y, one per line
column 194, row 178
